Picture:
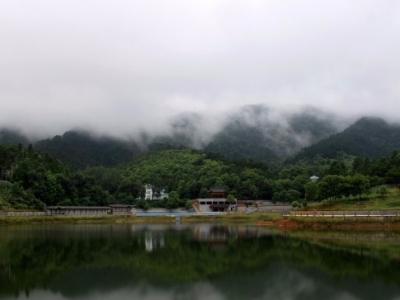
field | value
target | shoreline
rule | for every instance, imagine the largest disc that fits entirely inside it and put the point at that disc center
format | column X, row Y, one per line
column 257, row 219
column 117, row 219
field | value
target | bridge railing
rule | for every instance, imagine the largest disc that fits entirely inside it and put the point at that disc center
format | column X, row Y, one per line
column 22, row 213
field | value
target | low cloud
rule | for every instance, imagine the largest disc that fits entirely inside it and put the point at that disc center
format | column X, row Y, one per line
column 121, row 68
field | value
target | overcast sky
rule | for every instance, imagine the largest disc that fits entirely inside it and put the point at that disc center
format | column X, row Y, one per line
column 125, row 65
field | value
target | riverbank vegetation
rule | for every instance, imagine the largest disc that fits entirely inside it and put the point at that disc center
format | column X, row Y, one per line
column 270, row 220
column 253, row 218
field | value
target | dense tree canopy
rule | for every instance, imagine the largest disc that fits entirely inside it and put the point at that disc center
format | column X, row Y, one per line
column 31, row 179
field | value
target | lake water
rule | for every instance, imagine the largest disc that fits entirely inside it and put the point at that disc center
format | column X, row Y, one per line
column 206, row 261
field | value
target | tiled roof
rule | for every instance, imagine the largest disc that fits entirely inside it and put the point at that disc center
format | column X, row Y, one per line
column 217, row 190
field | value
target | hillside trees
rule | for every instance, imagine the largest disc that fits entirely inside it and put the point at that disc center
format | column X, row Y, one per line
column 38, row 179
column 338, row 186
column 311, row 191
column 359, row 184
column 191, row 173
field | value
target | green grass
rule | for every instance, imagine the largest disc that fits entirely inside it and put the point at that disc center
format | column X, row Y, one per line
column 228, row 218
column 367, row 202
column 233, row 218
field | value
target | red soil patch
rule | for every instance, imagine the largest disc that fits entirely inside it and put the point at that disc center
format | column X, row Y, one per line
column 280, row 223
column 266, row 223
column 287, row 224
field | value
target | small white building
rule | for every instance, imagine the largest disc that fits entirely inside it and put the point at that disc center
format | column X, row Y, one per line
column 314, row 178
column 163, row 194
column 150, row 194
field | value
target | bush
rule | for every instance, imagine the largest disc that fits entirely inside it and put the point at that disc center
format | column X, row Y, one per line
column 382, row 191
column 188, row 205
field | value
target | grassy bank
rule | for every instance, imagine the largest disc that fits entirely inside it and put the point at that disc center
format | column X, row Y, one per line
column 348, row 223
column 233, row 218
column 261, row 219
column 370, row 201
column 26, row 220
column 226, row 218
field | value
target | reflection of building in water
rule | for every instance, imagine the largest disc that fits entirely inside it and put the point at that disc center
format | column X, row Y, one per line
column 154, row 236
column 214, row 233
column 152, row 242
column 217, row 236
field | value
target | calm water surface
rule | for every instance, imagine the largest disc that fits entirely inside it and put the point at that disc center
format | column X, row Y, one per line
column 195, row 262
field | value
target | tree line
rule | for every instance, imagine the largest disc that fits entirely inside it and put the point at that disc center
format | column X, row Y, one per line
column 32, row 179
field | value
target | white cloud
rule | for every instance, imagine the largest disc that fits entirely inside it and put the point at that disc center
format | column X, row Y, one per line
column 123, row 66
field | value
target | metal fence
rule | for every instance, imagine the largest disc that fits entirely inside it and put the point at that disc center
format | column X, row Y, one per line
column 346, row 213
column 22, row 213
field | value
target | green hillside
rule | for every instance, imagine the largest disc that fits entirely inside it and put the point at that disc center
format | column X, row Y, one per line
column 368, row 137
column 80, row 149
column 254, row 132
column 79, row 169
column 31, row 179
column 267, row 139
column 191, row 173
column 241, row 142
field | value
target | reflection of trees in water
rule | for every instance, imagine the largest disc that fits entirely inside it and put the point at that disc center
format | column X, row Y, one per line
column 175, row 256
column 373, row 244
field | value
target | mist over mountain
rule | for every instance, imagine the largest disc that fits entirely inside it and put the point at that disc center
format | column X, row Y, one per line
column 368, row 137
column 266, row 134
column 193, row 130
column 13, row 136
column 274, row 132
column 255, row 132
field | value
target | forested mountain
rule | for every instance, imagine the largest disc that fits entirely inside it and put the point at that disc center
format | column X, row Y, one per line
column 188, row 130
column 242, row 142
column 80, row 149
column 31, row 179
column 9, row 136
column 255, row 132
column 368, row 137
column 81, row 169
column 263, row 135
